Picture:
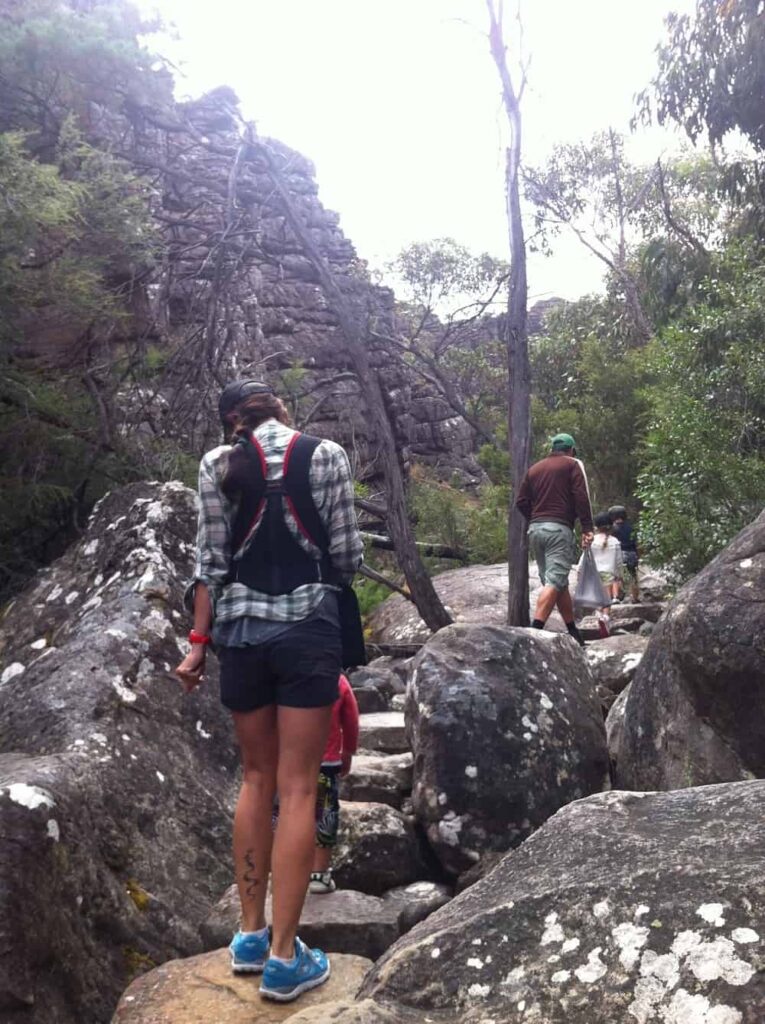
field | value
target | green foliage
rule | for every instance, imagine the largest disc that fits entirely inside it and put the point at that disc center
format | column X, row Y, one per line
column 703, row 472
column 438, row 272
column 711, row 77
column 473, row 524
column 370, row 595
column 587, row 381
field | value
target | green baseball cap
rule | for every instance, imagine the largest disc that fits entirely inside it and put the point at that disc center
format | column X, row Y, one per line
column 562, row 441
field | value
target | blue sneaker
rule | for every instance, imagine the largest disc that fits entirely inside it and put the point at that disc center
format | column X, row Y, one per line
column 285, row 982
column 249, row 953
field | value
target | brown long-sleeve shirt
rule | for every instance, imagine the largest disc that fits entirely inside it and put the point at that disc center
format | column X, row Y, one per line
column 555, row 491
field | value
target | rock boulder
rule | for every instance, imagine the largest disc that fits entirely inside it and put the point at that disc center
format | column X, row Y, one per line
column 613, row 663
column 378, row 778
column 202, row 990
column 377, row 849
column 644, row 908
column 115, row 788
column 505, row 728
column 696, row 710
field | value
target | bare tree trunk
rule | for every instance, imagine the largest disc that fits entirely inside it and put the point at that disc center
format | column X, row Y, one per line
column 519, row 413
column 420, row 585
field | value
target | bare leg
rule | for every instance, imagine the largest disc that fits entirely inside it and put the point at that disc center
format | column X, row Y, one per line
column 302, row 737
column 546, row 601
column 565, row 605
column 259, row 745
column 322, row 858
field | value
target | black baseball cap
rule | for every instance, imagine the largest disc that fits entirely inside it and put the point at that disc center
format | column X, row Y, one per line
column 237, row 391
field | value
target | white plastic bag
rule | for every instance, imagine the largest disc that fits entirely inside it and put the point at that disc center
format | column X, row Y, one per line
column 590, row 592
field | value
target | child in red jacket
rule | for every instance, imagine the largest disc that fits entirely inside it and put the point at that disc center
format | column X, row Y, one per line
column 341, row 746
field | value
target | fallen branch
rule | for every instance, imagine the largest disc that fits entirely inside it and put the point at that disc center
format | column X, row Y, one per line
column 434, row 550
column 377, row 577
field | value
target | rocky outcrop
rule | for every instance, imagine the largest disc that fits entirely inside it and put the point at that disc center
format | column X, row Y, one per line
column 505, row 728
column 623, row 907
column 115, row 789
column 235, row 290
column 202, row 990
column 695, row 714
column 479, row 594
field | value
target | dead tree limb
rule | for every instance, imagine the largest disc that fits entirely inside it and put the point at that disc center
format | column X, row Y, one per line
column 421, row 586
column 519, row 414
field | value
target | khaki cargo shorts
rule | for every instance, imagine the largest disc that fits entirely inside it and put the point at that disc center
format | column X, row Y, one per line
column 554, row 549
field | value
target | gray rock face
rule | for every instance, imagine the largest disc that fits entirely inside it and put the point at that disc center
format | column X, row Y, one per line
column 696, row 710
column 505, row 729
column 377, row 849
column 623, row 907
column 115, row 789
column 378, row 778
column 613, row 663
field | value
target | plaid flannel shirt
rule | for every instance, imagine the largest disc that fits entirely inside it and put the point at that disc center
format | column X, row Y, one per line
column 332, row 489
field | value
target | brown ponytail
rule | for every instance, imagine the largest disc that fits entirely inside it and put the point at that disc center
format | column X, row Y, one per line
column 256, row 409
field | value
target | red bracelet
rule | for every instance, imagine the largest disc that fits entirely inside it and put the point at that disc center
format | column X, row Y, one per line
column 198, row 638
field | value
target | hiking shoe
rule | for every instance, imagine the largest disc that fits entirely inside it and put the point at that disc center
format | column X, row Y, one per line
column 285, row 981
column 249, row 952
column 321, row 882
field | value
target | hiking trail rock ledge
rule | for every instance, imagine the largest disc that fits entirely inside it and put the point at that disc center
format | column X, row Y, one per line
column 202, row 990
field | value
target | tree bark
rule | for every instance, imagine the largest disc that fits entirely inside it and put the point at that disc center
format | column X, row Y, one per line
column 423, row 592
column 519, row 412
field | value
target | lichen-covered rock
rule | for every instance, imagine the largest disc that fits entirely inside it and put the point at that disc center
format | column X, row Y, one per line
column 115, row 803
column 505, row 728
column 377, row 849
column 624, row 907
column 478, row 594
column 378, row 778
column 613, row 662
column 202, row 990
column 696, row 710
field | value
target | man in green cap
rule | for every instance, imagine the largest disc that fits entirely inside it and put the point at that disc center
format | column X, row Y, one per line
column 553, row 495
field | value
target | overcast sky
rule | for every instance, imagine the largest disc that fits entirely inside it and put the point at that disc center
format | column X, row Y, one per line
column 397, row 104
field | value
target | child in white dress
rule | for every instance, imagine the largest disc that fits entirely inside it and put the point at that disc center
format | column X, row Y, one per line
column 607, row 552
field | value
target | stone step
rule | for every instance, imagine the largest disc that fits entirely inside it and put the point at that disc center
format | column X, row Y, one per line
column 385, row 731
column 203, row 990
column 378, row 778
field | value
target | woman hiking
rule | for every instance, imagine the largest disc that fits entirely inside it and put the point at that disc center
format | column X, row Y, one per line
column 277, row 536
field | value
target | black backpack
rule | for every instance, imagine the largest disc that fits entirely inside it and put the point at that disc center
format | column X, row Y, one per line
column 274, row 562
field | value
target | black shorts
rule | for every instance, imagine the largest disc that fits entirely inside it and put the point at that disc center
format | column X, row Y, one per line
column 299, row 668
